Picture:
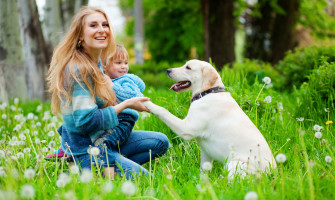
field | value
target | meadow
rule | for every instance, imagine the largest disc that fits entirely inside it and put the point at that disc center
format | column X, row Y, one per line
column 300, row 133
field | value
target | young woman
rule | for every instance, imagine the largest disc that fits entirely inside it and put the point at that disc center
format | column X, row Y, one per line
column 87, row 101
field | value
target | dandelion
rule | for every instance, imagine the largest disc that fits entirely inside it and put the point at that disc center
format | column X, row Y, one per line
column 16, row 101
column 20, row 155
column 128, row 188
column 318, row 135
column 169, row 177
column 43, row 141
column 288, row 139
column 95, row 151
column 27, row 191
column 328, row 159
column 29, row 173
column 144, row 115
column 14, row 157
column 13, row 108
column 329, row 122
column 268, row 99
column 63, row 180
column 51, row 144
column 316, row 127
column 38, row 124
column 281, row 158
column 280, row 106
column 4, row 116
column 3, row 172
column 86, row 176
column 39, row 108
column 207, row 166
column 35, row 133
column 267, row 80
column 51, row 133
column 2, row 154
column 60, row 183
column 54, row 119
column 30, row 116
column 74, row 169
column 300, row 119
column 45, row 149
column 37, row 141
column 22, row 137
column 70, row 195
column 108, row 187
column 251, row 195
column 326, row 109
column 268, row 86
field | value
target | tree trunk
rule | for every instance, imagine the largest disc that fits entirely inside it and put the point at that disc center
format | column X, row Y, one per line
column 52, row 26
column 221, row 29
column 69, row 9
column 36, row 57
column 12, row 80
column 283, row 38
column 258, row 32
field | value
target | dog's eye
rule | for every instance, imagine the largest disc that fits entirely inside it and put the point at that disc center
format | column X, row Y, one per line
column 187, row 67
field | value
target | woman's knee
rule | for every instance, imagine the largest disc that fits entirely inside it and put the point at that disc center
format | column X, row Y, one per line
column 162, row 144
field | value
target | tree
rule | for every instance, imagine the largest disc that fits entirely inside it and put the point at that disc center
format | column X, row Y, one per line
column 219, row 28
column 12, row 80
column 36, row 57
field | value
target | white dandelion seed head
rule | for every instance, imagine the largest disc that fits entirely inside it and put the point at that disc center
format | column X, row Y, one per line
column 108, row 187
column 266, row 80
column 16, row 100
column 52, row 144
column 4, row 116
column 316, row 127
column 13, row 108
column 64, row 177
column 74, row 169
column 27, row 191
column 300, row 119
column 13, row 158
column 45, row 150
column 95, row 151
column 251, row 195
column 38, row 124
column 20, row 155
column 268, row 99
column 29, row 173
column 39, row 108
column 26, row 150
column 43, row 141
column 280, row 106
column 311, row 163
column 207, row 166
column 318, row 135
column 169, row 177
column 37, row 141
column 70, row 195
column 128, row 188
column 2, row 154
column 257, row 103
column 281, row 158
column 144, row 115
column 54, row 119
column 51, row 133
column 30, row 116
column 328, row 159
column 86, row 176
column 60, row 183
column 288, row 139
column 2, row 172
column 22, row 137
column 326, row 109
column 35, row 133
column 268, row 86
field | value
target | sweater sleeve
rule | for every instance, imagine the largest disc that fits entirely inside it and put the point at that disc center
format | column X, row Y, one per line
column 128, row 86
column 86, row 114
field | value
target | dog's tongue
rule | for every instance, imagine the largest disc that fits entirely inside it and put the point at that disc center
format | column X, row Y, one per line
column 176, row 86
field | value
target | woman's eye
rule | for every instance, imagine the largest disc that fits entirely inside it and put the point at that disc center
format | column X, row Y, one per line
column 92, row 25
column 187, row 67
column 106, row 25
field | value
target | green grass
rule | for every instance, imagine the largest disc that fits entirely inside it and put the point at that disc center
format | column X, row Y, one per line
column 304, row 175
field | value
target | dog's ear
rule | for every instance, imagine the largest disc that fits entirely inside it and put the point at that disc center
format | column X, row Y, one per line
column 209, row 77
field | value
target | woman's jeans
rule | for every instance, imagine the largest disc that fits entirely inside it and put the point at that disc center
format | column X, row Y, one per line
column 129, row 157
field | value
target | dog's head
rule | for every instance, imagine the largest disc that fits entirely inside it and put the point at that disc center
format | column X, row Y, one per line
column 196, row 76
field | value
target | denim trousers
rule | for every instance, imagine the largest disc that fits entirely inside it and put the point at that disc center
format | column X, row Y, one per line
column 129, row 157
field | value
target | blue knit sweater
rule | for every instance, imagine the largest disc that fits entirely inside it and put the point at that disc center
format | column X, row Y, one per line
column 126, row 87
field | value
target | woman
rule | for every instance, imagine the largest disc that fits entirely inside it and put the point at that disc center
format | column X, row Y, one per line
column 87, row 101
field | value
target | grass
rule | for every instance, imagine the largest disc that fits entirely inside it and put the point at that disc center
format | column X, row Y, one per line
column 28, row 128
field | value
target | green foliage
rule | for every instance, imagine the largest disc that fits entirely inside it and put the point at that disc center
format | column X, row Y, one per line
column 296, row 66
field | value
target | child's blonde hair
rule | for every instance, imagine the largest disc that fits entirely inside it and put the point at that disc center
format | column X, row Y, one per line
column 119, row 54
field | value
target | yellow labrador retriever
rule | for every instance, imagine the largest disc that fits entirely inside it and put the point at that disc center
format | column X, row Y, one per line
column 222, row 130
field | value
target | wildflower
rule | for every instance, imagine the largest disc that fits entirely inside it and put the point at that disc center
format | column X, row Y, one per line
column 199, row 188
column 328, row 159
column 14, row 157
column 281, row 158
column 51, row 133
column 318, row 135
column 16, row 101
column 144, row 115
column 4, row 116
column 268, row 99
column 2, row 154
column 280, row 106
column 54, row 119
column 311, row 163
column 30, row 116
column 70, row 195
column 300, row 119
column 63, row 179
column 43, row 141
column 29, row 173
column 329, row 122
column 45, row 149
column 288, row 139
column 268, row 86
column 128, row 188
column 3, row 172
column 20, row 155
column 95, row 151
column 35, row 133
column 74, row 169
column 60, row 183
column 39, row 108
column 38, row 124
column 207, row 166
column 86, row 176
column 251, row 195
column 52, row 144
column 169, row 177
column 267, row 80
column 17, row 127
column 108, row 187
column 37, row 141
column 27, row 191
column 326, row 109
column 316, row 127
column 22, row 137
column 13, row 108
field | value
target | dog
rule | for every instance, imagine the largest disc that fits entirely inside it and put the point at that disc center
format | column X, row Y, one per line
column 222, row 130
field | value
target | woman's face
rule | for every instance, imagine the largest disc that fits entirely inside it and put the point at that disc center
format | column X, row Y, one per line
column 96, row 33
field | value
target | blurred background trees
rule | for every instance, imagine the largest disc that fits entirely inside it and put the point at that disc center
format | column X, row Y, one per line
column 225, row 32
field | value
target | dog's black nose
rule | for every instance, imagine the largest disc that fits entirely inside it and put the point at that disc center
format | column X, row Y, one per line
column 168, row 71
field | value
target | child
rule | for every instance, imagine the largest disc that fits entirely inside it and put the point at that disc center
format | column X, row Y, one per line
column 125, row 86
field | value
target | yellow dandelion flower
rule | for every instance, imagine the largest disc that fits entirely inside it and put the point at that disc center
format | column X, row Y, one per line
column 329, row 122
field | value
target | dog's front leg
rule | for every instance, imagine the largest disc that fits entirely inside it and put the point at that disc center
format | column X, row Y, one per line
column 179, row 126
column 206, row 162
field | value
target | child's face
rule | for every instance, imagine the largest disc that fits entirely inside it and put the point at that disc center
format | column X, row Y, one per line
column 117, row 68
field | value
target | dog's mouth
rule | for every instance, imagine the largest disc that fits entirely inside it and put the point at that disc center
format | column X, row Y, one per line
column 177, row 87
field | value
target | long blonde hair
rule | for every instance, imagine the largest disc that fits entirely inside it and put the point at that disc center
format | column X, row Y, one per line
column 70, row 55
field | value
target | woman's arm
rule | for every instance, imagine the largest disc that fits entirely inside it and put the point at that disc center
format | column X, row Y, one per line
column 134, row 103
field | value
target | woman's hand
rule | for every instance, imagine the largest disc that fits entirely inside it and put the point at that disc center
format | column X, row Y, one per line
column 134, row 103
